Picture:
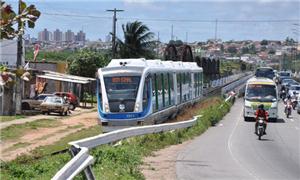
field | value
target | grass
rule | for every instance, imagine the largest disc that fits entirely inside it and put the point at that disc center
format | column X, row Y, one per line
column 111, row 162
column 16, row 146
column 17, row 130
column 10, row 118
column 41, row 165
column 63, row 143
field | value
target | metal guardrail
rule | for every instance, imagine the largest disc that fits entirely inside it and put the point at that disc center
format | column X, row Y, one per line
column 79, row 149
column 235, row 84
column 82, row 161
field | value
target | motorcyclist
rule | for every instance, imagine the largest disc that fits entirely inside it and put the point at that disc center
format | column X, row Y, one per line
column 287, row 103
column 283, row 92
column 261, row 112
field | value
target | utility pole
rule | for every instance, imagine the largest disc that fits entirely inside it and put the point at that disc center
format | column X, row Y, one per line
column 19, row 63
column 216, row 29
column 114, row 29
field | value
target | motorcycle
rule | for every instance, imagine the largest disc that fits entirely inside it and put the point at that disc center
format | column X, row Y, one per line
column 283, row 94
column 288, row 109
column 294, row 102
column 260, row 128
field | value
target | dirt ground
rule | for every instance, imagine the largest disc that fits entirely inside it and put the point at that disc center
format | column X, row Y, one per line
column 161, row 166
column 44, row 136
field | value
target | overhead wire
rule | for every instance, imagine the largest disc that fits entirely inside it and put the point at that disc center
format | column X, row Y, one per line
column 180, row 20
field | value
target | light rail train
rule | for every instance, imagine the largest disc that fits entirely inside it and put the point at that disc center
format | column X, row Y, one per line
column 138, row 91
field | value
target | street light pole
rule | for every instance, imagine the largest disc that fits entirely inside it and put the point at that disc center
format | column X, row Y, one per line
column 114, row 29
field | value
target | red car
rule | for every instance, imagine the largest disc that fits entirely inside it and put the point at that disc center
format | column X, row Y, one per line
column 71, row 98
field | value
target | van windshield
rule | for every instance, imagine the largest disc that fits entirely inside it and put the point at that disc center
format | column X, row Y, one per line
column 262, row 93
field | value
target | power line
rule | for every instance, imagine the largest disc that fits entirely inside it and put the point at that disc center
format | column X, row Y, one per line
column 181, row 20
column 76, row 15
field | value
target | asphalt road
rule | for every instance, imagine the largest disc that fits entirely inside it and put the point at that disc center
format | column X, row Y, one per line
column 231, row 150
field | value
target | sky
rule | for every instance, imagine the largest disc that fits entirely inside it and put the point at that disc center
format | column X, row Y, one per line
column 191, row 20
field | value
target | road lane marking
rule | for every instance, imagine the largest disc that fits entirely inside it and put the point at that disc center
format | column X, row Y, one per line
column 229, row 145
column 292, row 120
column 296, row 128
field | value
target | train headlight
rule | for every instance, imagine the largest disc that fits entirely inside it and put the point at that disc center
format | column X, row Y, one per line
column 106, row 108
column 137, row 107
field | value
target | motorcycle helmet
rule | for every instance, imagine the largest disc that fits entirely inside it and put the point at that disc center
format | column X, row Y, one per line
column 261, row 107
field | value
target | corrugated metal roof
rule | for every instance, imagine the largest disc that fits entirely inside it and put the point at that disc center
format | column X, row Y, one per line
column 65, row 77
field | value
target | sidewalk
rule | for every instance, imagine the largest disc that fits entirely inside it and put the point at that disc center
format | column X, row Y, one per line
column 38, row 117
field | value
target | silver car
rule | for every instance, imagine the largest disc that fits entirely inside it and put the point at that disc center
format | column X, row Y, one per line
column 55, row 104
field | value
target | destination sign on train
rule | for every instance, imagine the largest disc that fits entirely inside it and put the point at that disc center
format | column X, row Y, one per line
column 121, row 80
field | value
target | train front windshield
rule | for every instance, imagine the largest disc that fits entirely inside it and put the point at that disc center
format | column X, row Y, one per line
column 122, row 92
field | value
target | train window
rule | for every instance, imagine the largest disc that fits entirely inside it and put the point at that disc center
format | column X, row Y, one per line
column 159, row 90
column 146, row 93
column 154, row 93
column 179, row 88
column 189, row 85
column 200, row 83
column 122, row 90
column 169, row 89
column 99, row 93
column 195, row 84
column 172, row 98
column 163, row 90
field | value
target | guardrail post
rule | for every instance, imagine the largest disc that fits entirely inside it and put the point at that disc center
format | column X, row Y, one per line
column 89, row 175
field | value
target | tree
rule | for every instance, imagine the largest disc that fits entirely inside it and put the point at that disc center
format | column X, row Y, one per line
column 252, row 49
column 232, row 50
column 28, row 15
column 264, row 42
column 245, row 50
column 138, row 41
column 272, row 51
column 87, row 62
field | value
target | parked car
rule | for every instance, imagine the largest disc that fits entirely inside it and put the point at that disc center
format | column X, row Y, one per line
column 71, row 98
column 55, row 104
column 28, row 104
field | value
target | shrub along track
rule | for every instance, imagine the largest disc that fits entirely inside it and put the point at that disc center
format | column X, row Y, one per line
column 122, row 161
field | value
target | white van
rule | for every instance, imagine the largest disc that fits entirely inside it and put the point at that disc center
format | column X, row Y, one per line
column 260, row 91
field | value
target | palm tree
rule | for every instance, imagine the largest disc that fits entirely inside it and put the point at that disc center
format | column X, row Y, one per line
column 137, row 41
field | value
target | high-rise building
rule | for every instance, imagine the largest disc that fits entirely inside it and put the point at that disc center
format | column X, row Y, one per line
column 108, row 38
column 69, row 36
column 44, row 35
column 57, row 35
column 80, row 36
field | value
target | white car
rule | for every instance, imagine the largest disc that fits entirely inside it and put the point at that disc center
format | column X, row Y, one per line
column 294, row 89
